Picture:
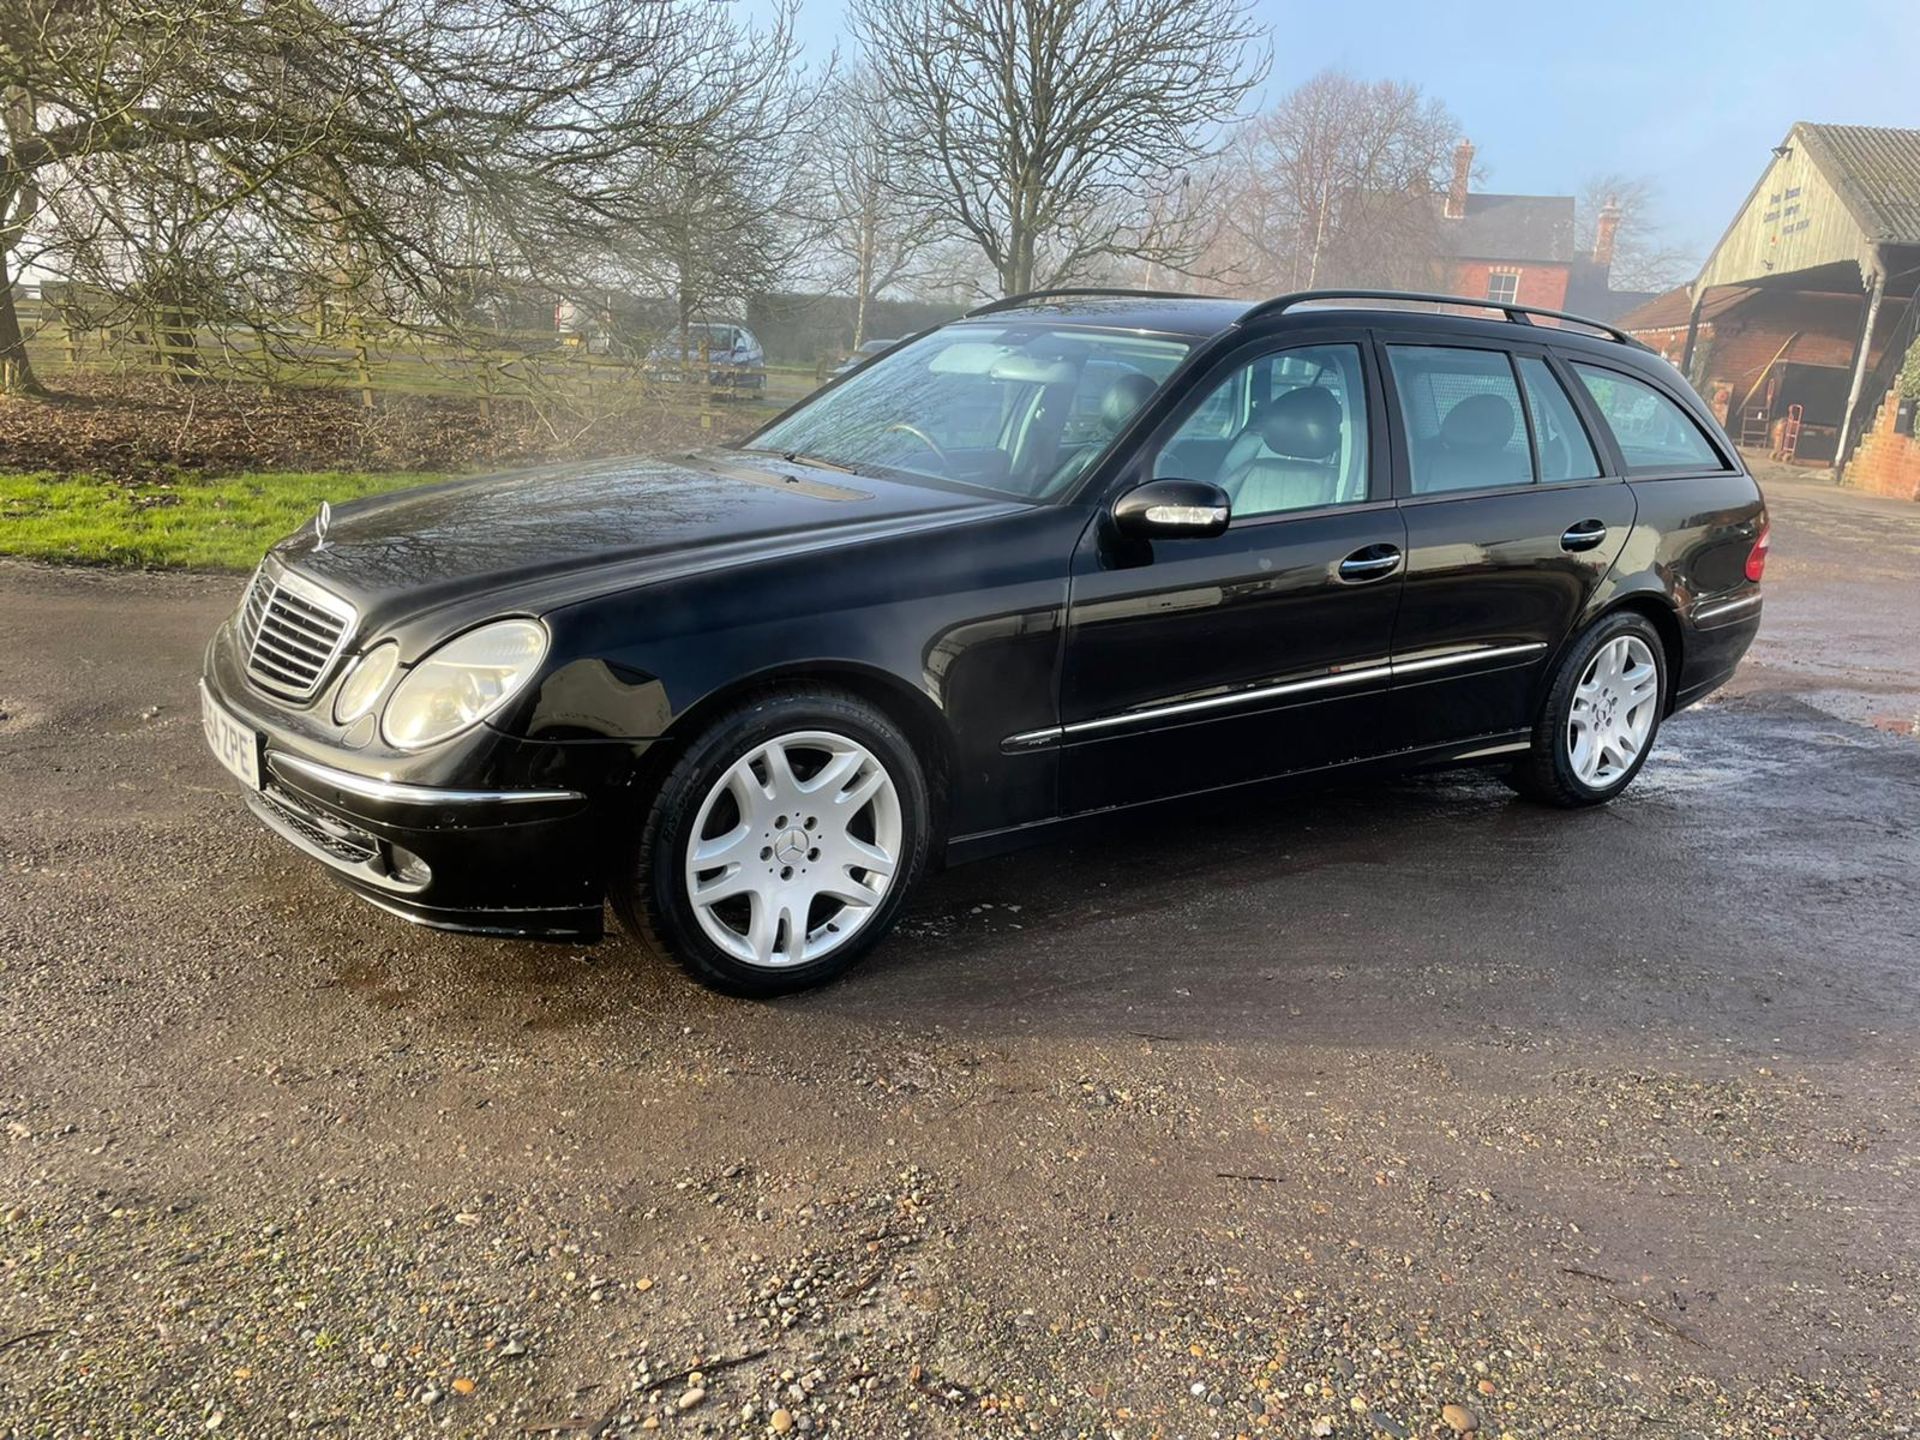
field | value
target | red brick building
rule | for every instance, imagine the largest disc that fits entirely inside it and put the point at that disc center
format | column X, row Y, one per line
column 1758, row 352
column 1520, row 249
column 1516, row 248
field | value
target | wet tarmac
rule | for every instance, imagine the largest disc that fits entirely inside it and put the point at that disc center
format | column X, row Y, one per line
column 1321, row 1117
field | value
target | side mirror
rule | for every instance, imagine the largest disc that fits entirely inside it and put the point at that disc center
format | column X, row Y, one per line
column 1173, row 509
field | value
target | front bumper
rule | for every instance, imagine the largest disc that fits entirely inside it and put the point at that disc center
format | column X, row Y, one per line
column 524, row 849
column 494, row 863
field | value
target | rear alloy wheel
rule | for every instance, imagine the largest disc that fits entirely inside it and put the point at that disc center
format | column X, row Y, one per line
column 1601, row 714
column 1612, row 714
column 781, row 845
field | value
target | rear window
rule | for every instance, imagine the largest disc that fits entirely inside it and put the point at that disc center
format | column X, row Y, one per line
column 1652, row 431
column 1465, row 426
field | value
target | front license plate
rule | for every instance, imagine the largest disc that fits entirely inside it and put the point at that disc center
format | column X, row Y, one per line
column 234, row 745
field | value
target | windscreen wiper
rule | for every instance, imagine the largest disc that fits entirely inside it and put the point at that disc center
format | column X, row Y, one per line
column 801, row 457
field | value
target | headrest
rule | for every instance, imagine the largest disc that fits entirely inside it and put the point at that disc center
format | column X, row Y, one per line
column 1303, row 424
column 1124, row 396
column 1479, row 422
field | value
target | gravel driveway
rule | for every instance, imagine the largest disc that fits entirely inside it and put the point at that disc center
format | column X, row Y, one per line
column 1304, row 1123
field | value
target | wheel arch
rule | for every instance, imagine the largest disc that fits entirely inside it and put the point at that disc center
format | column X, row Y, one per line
column 908, row 707
column 1659, row 610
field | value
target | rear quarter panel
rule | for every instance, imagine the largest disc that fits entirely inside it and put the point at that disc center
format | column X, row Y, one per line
column 1687, row 553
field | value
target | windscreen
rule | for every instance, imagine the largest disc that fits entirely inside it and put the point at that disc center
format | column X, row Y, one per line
column 1023, row 409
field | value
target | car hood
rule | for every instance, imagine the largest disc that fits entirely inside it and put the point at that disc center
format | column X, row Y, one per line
column 535, row 540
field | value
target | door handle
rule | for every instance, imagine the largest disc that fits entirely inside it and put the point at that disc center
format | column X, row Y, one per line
column 1370, row 562
column 1584, row 536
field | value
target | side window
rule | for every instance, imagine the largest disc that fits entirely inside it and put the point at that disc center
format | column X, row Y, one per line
column 1284, row 431
column 1652, row 431
column 1461, row 408
column 1565, row 451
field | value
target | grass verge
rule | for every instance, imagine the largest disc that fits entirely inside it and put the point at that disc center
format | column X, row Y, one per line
column 222, row 523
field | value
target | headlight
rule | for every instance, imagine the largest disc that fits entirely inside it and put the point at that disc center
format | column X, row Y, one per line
column 364, row 683
column 462, row 683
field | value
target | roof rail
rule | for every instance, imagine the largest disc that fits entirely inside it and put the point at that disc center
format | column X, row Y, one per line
column 1516, row 314
column 1027, row 297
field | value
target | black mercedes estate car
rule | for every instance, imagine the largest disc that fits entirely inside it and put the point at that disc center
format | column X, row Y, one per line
column 1075, row 553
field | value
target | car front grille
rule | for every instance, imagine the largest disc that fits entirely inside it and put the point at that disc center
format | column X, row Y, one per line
column 292, row 631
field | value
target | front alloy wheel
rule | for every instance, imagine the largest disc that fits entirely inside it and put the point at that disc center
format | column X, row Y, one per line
column 781, row 844
column 794, row 848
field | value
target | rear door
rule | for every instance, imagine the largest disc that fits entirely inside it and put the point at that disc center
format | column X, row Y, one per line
column 1514, row 515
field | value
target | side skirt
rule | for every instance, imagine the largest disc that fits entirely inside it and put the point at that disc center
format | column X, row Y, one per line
column 1481, row 750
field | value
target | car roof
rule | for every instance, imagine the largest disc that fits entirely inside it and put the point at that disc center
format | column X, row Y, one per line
column 1201, row 317
column 1196, row 317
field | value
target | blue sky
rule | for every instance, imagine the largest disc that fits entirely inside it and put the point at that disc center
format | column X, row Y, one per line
column 1689, row 93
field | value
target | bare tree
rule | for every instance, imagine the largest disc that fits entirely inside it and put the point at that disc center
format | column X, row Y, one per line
column 728, row 213
column 1047, row 125
column 875, row 230
column 1643, row 256
column 377, row 149
column 1335, row 186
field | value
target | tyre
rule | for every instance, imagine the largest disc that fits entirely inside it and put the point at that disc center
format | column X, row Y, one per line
column 1601, row 715
column 781, row 845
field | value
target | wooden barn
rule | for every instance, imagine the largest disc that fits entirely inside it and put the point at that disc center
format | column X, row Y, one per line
column 1798, row 322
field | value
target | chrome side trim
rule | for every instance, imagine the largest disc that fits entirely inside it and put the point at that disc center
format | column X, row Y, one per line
column 1511, row 748
column 1729, row 607
column 1372, row 670
column 1033, row 739
column 399, row 793
column 1375, row 671
column 1462, row 657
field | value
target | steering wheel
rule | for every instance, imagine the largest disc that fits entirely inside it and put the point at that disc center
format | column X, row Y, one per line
column 924, row 438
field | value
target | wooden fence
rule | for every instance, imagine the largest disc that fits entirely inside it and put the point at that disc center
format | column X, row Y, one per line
column 549, row 371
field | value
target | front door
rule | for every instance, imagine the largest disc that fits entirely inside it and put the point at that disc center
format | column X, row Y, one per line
column 1194, row 664
column 1511, row 525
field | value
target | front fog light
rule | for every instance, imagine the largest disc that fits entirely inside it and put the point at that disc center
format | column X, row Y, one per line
column 364, row 683
column 462, row 683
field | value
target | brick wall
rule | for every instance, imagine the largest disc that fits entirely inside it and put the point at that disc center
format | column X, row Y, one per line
column 1671, row 342
column 1541, row 283
column 1822, row 330
column 1886, row 463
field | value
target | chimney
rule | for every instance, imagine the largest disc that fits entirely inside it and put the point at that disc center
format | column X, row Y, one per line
column 1605, row 225
column 1462, row 173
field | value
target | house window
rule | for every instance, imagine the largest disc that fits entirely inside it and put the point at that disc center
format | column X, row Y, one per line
column 1503, row 286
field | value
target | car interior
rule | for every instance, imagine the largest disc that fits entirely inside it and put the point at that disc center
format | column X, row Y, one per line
column 1021, row 409
column 1297, row 448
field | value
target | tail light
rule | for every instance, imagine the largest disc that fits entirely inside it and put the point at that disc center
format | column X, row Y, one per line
column 1757, row 557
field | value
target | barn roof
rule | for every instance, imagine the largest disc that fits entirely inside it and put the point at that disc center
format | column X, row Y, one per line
column 1876, row 170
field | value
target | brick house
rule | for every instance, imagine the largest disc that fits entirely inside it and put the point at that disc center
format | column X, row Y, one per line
column 1516, row 248
column 1520, row 249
